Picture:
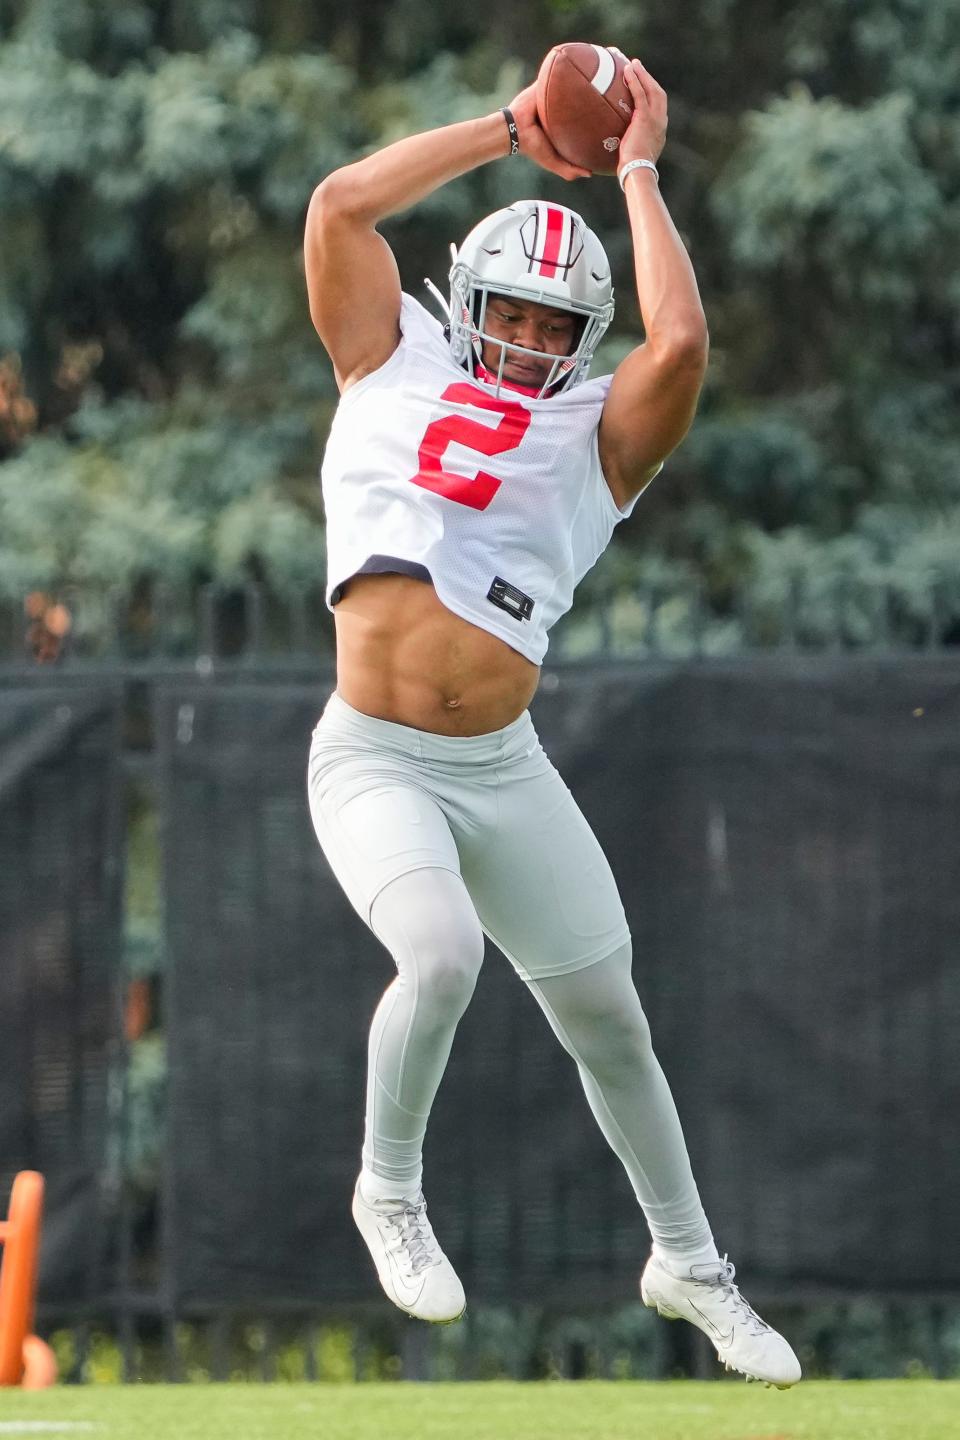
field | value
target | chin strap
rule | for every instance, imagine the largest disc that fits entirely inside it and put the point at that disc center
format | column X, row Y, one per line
column 535, row 392
column 482, row 373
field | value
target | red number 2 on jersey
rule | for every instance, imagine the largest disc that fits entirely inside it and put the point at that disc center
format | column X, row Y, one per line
column 477, row 490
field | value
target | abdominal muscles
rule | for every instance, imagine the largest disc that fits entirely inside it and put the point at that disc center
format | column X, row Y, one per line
column 403, row 656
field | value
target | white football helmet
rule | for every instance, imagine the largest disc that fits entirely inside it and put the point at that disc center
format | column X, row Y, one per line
column 532, row 250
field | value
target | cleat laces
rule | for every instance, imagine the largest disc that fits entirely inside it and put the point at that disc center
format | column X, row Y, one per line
column 743, row 1312
column 411, row 1235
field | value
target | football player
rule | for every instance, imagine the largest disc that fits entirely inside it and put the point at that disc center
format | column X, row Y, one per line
column 473, row 475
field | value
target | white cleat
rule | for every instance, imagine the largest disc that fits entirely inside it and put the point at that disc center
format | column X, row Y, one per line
column 709, row 1299
column 413, row 1270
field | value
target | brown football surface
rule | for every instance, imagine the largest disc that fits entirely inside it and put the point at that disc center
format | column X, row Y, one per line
column 584, row 104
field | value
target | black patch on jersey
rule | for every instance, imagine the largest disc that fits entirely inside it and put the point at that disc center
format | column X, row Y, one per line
column 507, row 597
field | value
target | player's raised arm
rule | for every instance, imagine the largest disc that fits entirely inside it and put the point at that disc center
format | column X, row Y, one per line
column 352, row 279
column 654, row 394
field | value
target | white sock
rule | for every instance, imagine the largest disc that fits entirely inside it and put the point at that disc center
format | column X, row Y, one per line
column 679, row 1262
column 374, row 1187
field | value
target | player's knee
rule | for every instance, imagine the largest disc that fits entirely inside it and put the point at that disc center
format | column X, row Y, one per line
column 449, row 957
column 631, row 1037
column 617, row 1042
column 448, row 980
column 428, row 923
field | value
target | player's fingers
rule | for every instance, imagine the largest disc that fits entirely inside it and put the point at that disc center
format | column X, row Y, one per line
column 572, row 172
column 560, row 167
column 655, row 93
column 647, row 78
column 551, row 159
column 638, row 94
column 633, row 80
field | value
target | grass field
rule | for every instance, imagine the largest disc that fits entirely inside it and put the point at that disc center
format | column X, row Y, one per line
column 556, row 1410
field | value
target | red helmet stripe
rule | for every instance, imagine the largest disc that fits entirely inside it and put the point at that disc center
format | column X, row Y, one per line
column 551, row 248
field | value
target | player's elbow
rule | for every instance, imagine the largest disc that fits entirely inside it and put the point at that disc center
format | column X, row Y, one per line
column 685, row 349
column 335, row 199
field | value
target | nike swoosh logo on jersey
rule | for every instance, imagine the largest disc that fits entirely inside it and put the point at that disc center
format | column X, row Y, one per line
column 715, row 1330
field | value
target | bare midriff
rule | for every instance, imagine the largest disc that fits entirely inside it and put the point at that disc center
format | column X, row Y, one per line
column 403, row 656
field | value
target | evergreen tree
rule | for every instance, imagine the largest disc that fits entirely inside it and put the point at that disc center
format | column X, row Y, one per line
column 164, row 402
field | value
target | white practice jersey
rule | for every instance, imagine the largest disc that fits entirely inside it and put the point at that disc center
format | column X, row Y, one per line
column 499, row 500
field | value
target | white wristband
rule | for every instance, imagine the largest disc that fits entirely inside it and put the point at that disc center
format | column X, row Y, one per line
column 624, row 170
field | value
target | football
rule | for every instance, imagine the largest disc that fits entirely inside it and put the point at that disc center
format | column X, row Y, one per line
column 584, row 104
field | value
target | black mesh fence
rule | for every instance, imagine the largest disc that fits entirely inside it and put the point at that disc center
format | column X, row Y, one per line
column 784, row 834
column 60, row 897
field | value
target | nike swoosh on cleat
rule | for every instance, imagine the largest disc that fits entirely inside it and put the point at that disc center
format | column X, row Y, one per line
column 718, row 1334
column 409, row 1294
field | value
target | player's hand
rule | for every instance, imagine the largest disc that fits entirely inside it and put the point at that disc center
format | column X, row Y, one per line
column 534, row 140
column 645, row 136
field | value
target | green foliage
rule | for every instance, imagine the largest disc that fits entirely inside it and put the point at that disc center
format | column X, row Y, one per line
column 152, row 205
column 858, row 1339
column 819, row 185
column 155, row 165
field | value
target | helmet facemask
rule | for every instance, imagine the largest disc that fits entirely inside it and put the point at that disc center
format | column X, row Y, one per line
column 531, row 251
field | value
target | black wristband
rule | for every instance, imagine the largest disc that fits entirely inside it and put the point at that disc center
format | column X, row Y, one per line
column 507, row 114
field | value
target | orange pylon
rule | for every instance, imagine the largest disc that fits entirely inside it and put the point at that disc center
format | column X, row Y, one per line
column 24, row 1358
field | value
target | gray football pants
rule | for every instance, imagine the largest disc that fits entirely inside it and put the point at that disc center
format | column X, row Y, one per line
column 438, row 840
